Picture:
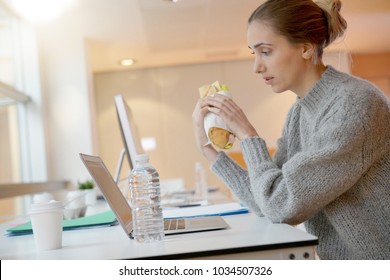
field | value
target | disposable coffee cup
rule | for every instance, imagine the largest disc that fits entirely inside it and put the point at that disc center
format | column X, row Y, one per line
column 47, row 222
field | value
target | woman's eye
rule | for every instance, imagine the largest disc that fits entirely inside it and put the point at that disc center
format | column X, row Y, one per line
column 262, row 52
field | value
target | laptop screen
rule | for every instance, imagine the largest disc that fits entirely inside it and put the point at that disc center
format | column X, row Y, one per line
column 110, row 190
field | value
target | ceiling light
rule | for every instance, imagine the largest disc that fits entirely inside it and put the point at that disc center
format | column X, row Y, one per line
column 127, row 62
column 40, row 10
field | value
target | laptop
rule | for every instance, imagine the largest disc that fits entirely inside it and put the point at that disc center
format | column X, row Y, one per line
column 122, row 209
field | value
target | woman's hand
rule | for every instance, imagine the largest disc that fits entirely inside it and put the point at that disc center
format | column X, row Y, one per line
column 231, row 114
column 202, row 142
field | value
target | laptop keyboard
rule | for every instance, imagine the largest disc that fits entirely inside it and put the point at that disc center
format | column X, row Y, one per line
column 174, row 224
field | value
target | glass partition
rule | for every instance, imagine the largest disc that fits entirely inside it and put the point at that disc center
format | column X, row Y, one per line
column 13, row 104
column 11, row 99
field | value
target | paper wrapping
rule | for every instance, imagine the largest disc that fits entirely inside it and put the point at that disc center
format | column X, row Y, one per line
column 212, row 120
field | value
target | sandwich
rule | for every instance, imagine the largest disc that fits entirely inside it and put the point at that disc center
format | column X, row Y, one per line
column 217, row 131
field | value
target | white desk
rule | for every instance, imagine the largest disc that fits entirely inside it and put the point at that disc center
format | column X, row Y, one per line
column 249, row 237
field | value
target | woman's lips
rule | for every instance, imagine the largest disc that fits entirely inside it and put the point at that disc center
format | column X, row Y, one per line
column 268, row 80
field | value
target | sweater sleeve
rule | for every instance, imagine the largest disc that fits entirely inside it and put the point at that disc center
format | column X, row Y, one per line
column 347, row 142
column 237, row 179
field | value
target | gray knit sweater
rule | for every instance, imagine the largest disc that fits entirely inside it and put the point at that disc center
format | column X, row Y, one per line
column 331, row 169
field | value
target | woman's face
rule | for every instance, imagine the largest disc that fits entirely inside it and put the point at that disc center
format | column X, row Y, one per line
column 279, row 62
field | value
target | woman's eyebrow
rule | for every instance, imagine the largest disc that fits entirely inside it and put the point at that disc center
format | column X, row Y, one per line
column 260, row 45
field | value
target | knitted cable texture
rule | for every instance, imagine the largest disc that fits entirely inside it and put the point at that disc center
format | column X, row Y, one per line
column 331, row 169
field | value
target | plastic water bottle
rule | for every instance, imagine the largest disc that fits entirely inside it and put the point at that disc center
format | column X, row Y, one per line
column 201, row 187
column 144, row 184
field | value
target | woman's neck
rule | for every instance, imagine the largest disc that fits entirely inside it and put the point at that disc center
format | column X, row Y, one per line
column 312, row 74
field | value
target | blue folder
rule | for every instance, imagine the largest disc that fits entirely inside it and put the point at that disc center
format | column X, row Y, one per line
column 102, row 219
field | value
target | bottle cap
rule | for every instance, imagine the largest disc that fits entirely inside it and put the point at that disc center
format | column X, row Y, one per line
column 142, row 157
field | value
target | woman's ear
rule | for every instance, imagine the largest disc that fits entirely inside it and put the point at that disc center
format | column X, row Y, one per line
column 308, row 51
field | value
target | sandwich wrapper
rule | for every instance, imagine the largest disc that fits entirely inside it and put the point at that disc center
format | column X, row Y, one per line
column 218, row 133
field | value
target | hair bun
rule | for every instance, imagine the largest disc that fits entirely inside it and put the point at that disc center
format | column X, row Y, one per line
column 336, row 23
column 337, row 5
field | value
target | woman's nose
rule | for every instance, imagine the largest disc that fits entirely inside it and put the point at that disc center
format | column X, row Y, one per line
column 258, row 66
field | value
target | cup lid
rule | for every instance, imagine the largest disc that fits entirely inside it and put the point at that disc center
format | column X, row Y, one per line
column 41, row 207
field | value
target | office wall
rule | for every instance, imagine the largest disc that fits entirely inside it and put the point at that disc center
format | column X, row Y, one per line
column 373, row 67
column 162, row 101
column 66, row 95
column 6, row 164
column 7, row 206
column 72, row 125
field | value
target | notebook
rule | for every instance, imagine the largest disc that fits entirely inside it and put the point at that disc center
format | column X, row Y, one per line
column 122, row 209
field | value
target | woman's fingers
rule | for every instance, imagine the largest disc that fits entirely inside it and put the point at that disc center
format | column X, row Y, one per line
column 201, row 109
column 232, row 115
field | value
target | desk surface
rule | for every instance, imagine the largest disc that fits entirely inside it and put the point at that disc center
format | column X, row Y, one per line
column 247, row 233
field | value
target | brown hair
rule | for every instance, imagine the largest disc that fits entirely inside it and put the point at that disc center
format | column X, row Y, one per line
column 303, row 21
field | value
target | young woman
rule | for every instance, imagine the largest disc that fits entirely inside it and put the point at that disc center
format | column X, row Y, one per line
column 331, row 169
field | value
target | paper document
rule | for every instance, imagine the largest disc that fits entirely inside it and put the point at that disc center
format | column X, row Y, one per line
column 207, row 210
column 169, row 203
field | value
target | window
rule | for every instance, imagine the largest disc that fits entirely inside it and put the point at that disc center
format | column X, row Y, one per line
column 13, row 102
